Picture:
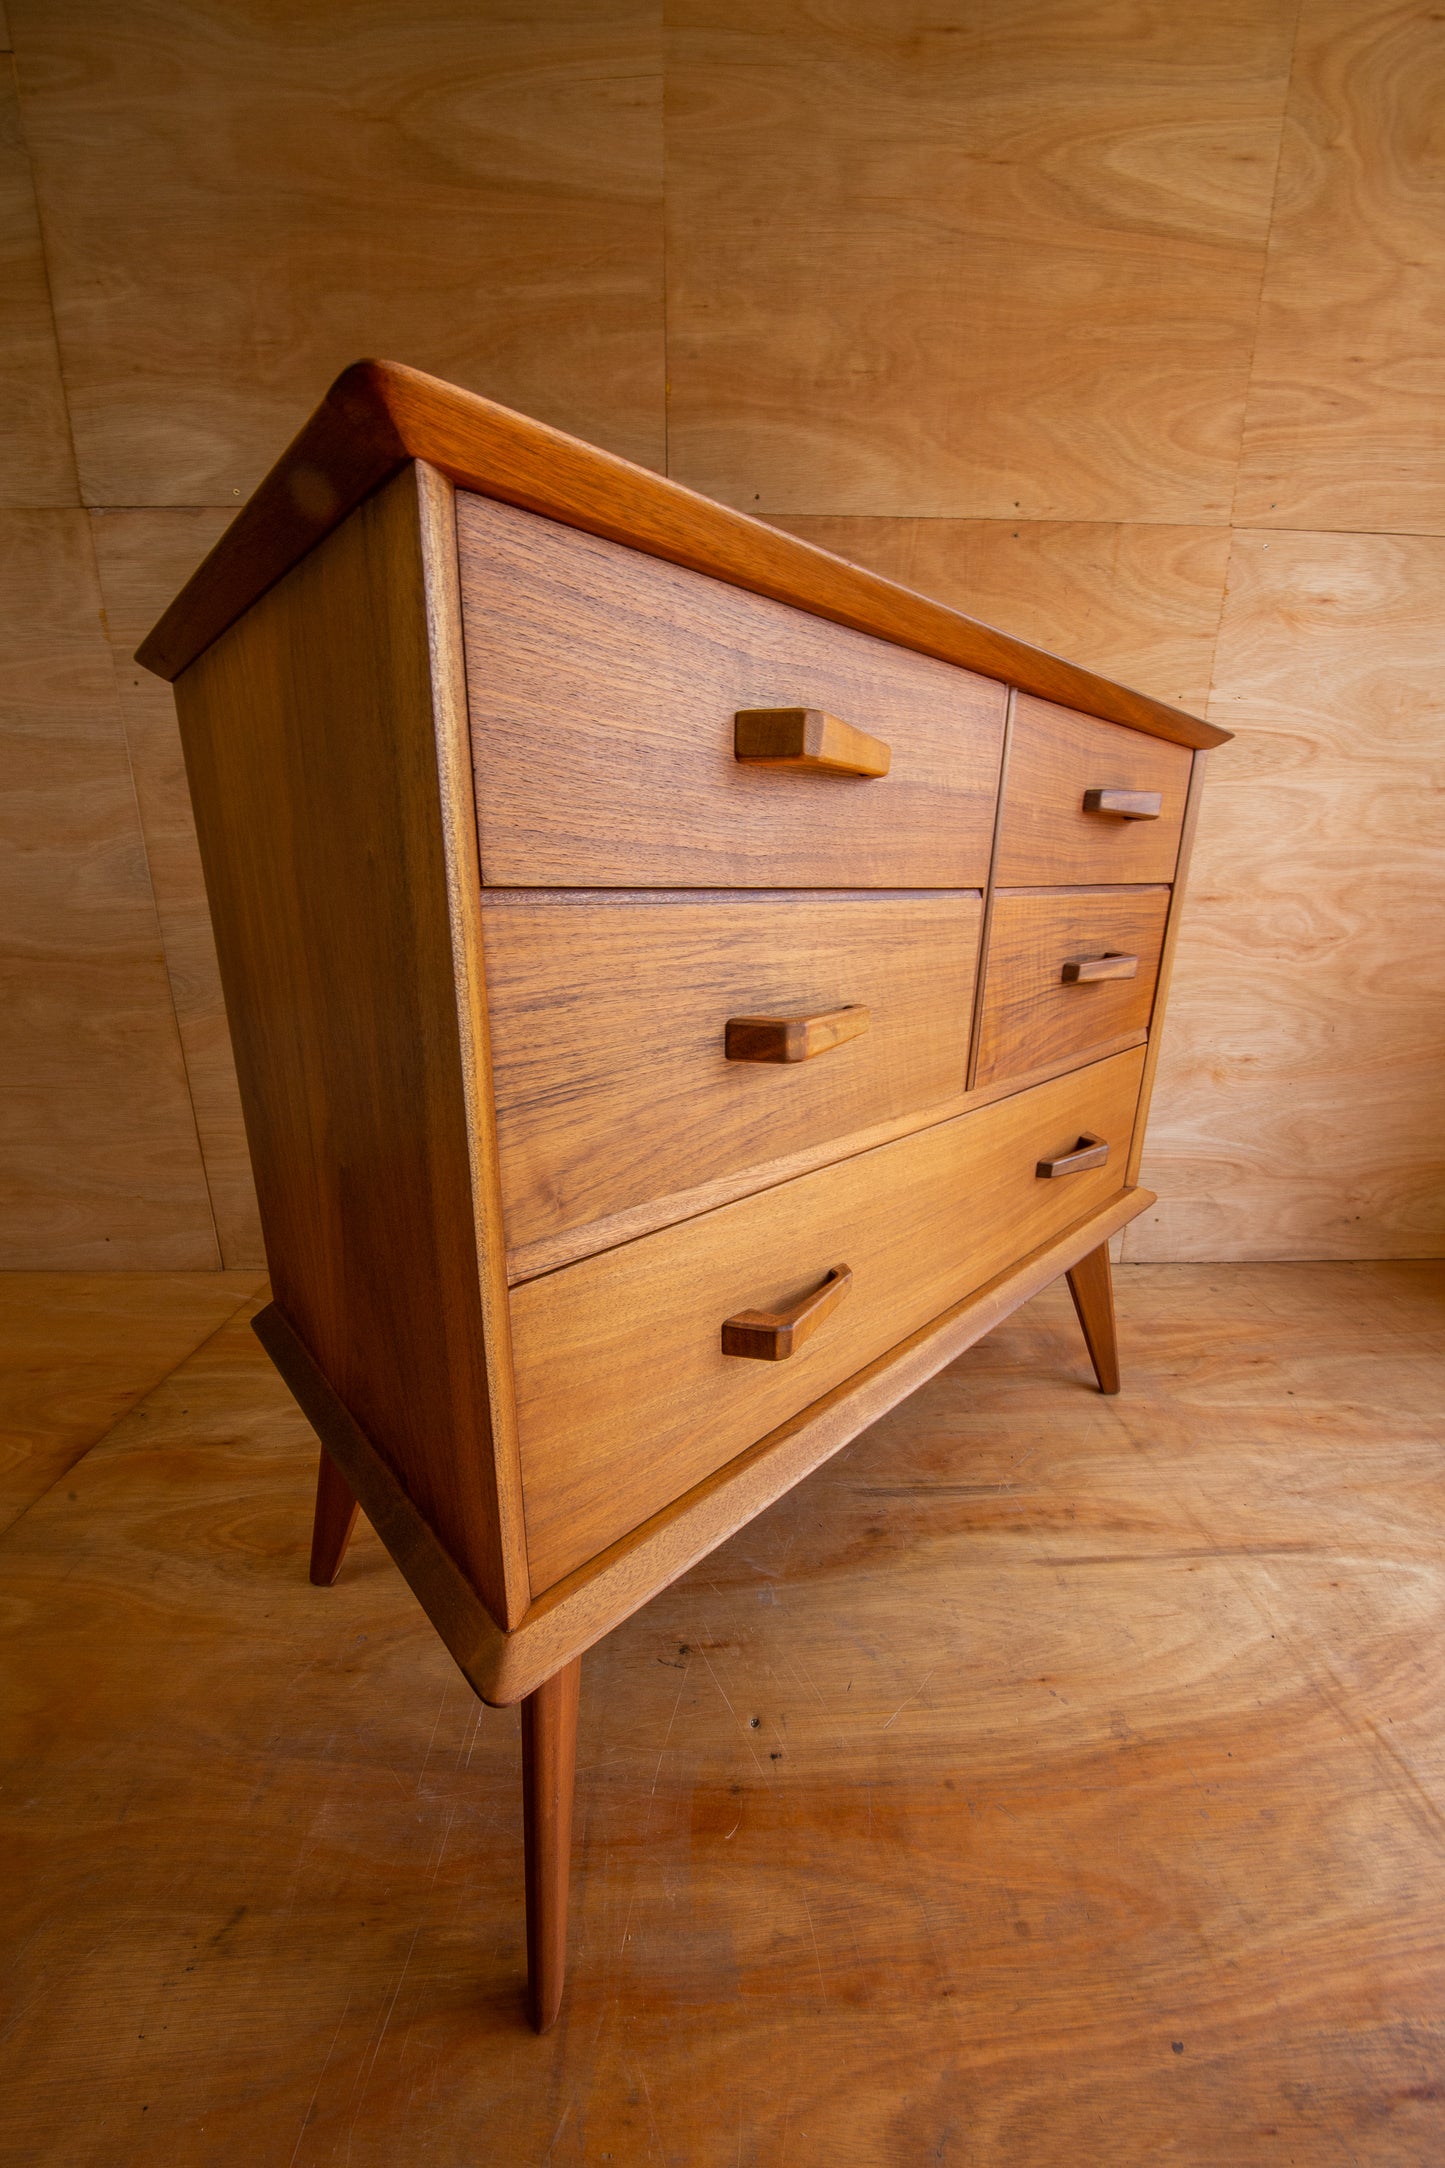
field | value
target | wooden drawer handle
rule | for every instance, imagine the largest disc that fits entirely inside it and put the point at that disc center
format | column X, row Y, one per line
column 1090, row 1151
column 1089, row 970
column 792, row 1038
column 807, row 740
column 1127, row 805
column 771, row 1336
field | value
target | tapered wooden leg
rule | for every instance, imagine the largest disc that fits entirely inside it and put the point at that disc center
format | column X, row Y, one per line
column 549, row 1766
column 336, row 1512
column 1091, row 1283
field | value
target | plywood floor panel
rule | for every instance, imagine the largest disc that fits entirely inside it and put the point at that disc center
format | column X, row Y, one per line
column 78, row 1349
column 239, row 202
column 1345, row 425
column 1049, row 1778
column 1296, row 1110
column 994, row 262
column 143, row 559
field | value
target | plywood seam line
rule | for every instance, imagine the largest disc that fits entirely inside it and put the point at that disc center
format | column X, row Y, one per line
column 257, row 1292
column 49, row 282
column 1263, row 280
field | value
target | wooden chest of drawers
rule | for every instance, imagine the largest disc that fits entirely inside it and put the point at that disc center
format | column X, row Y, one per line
column 684, row 990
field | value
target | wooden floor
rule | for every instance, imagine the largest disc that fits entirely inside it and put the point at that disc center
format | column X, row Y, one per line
column 1050, row 1780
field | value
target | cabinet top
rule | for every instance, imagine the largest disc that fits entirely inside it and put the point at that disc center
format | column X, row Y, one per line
column 380, row 414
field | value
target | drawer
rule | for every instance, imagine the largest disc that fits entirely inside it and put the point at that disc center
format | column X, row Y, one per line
column 602, row 689
column 624, row 1396
column 1056, row 759
column 1052, row 989
column 608, row 1014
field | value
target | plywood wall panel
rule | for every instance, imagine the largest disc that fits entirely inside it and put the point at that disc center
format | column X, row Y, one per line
column 36, row 466
column 101, row 1166
column 1138, row 603
column 1297, row 1111
column 994, row 260
column 239, row 201
column 1346, row 418
column 143, row 558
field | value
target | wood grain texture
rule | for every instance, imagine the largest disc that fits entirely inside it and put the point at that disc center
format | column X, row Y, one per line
column 605, row 757
column 607, row 1026
column 1139, row 604
column 355, row 1045
column 1055, row 757
column 546, row 1255
column 1298, row 1095
column 1030, row 1015
column 624, row 1397
column 992, row 263
column 77, row 1349
column 141, row 557
column 37, row 466
column 1014, row 1621
column 1345, row 425
column 97, row 1138
column 242, row 203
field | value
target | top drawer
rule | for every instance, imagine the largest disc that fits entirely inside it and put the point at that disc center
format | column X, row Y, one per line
column 1057, row 758
column 602, row 686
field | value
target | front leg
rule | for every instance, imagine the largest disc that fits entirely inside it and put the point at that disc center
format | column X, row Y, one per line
column 1091, row 1283
column 549, row 1767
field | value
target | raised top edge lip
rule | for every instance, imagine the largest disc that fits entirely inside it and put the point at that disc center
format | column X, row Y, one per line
column 379, row 415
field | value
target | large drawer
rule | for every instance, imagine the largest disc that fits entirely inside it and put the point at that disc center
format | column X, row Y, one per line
column 602, row 690
column 1069, row 971
column 624, row 1396
column 1050, row 832
column 609, row 1014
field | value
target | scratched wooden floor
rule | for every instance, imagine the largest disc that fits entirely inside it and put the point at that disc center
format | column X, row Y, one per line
column 1049, row 1780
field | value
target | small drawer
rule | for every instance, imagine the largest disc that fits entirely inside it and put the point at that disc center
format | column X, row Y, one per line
column 1069, row 971
column 625, row 1397
column 1088, row 801
column 604, row 689
column 645, row 1044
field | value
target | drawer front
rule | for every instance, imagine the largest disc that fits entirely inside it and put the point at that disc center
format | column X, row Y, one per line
column 609, row 1014
column 1056, row 758
column 625, row 1398
column 1051, row 991
column 602, row 690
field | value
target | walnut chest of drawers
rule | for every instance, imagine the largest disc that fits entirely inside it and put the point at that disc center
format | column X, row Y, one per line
column 684, row 991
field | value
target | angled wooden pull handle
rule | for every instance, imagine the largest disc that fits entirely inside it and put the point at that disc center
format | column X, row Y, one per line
column 771, row 1336
column 807, row 740
column 1090, row 1151
column 792, row 1038
column 1125, row 805
column 1089, row 970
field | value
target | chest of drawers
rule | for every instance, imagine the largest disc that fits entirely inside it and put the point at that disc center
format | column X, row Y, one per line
column 684, row 991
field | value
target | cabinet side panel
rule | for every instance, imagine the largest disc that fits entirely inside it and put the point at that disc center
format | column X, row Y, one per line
column 312, row 752
column 1166, row 960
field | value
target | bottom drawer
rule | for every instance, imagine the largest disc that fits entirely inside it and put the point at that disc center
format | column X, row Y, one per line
column 625, row 1398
